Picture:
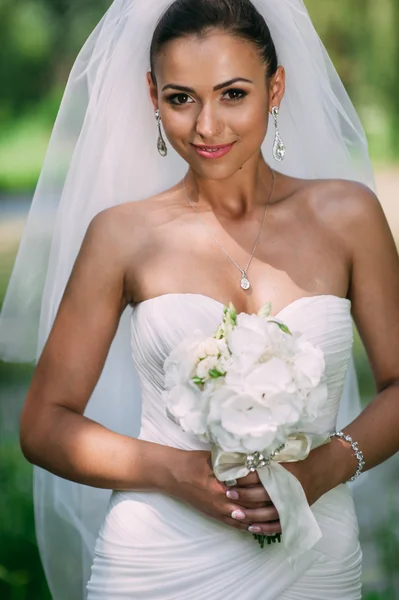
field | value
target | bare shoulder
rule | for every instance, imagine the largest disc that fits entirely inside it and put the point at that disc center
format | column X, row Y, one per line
column 339, row 205
column 353, row 211
column 127, row 225
column 339, row 198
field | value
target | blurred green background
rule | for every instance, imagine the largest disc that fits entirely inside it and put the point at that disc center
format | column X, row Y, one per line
column 39, row 40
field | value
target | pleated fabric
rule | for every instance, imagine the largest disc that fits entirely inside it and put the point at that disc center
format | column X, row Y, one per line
column 153, row 547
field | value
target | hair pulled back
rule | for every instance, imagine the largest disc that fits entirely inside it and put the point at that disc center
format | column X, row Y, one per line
column 197, row 17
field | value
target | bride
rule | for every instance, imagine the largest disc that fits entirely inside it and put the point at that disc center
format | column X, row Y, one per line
column 143, row 241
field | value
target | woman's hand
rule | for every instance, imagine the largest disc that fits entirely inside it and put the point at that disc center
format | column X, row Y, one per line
column 260, row 513
column 194, row 482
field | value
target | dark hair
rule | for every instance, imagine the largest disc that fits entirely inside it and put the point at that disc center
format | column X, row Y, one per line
column 238, row 17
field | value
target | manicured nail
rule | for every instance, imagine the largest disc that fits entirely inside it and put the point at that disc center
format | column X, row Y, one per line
column 254, row 529
column 232, row 495
column 238, row 514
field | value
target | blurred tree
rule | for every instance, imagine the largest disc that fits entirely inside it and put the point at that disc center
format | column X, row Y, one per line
column 361, row 37
column 39, row 39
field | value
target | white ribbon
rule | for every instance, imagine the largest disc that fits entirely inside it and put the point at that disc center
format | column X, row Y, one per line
column 300, row 530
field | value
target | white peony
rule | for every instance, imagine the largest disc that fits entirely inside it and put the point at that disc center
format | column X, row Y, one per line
column 187, row 407
column 240, row 423
column 287, row 408
column 249, row 337
column 314, row 402
column 309, row 364
column 267, row 378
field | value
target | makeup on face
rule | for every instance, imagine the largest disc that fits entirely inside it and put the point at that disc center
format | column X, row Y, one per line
column 213, row 152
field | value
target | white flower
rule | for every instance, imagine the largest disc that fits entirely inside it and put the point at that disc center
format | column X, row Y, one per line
column 187, row 407
column 208, row 347
column 223, row 348
column 314, row 402
column 206, row 365
column 179, row 366
column 287, row 408
column 309, row 364
column 266, row 379
column 273, row 384
column 240, row 423
column 249, row 337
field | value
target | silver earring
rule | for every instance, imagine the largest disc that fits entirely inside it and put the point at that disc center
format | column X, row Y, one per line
column 278, row 146
column 162, row 148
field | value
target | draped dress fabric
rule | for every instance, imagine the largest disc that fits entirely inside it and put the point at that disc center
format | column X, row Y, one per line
column 154, row 547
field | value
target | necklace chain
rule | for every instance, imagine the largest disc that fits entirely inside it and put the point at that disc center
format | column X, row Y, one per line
column 245, row 284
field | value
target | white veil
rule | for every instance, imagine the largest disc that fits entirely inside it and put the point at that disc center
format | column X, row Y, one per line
column 103, row 151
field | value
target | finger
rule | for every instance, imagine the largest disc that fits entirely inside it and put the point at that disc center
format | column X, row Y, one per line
column 236, row 524
column 251, row 479
column 257, row 493
column 266, row 528
column 257, row 515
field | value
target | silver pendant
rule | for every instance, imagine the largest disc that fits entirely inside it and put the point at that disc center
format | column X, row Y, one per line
column 162, row 148
column 245, row 282
column 278, row 148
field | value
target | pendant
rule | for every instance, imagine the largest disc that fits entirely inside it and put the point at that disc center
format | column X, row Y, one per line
column 278, row 148
column 245, row 281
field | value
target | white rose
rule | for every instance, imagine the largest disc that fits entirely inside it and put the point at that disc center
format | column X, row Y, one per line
column 206, row 365
column 180, row 364
column 223, row 348
column 208, row 347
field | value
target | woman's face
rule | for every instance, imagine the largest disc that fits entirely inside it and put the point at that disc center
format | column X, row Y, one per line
column 213, row 91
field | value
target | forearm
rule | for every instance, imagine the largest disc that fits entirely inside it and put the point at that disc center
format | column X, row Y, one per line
column 79, row 449
column 376, row 432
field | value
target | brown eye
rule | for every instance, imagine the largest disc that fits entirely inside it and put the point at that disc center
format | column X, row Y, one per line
column 235, row 94
column 179, row 99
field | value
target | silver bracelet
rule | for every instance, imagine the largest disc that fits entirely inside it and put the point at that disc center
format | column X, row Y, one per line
column 356, row 450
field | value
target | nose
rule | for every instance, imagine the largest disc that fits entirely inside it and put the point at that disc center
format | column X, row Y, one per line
column 208, row 125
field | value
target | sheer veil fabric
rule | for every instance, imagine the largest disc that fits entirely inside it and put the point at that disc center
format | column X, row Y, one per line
column 103, row 152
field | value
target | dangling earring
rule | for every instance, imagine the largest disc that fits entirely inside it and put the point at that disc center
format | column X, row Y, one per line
column 162, row 148
column 278, row 146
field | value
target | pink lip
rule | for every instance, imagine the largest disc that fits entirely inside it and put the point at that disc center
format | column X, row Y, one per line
column 215, row 152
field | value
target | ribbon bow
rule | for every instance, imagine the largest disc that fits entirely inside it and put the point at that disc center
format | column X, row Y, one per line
column 300, row 530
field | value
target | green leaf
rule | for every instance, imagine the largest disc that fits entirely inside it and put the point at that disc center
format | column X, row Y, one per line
column 282, row 327
column 214, row 373
column 219, row 333
column 233, row 312
column 198, row 380
column 265, row 310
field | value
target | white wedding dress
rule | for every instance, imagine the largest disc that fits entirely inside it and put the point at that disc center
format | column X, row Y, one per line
column 153, row 547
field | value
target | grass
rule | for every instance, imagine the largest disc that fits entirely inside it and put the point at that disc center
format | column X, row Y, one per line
column 21, row 573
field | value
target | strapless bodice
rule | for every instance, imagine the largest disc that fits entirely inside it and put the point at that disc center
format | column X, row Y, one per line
column 160, row 323
column 154, row 547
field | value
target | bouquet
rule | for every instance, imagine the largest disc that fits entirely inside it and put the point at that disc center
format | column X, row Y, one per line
column 254, row 390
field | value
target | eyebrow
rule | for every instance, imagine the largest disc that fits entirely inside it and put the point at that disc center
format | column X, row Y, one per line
column 220, row 86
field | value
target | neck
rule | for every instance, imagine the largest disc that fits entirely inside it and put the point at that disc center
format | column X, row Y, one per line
column 235, row 196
